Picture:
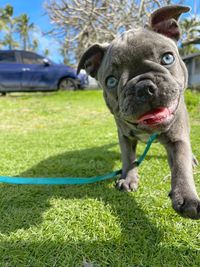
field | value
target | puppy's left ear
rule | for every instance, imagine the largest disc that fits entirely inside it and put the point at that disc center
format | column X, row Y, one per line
column 165, row 20
column 92, row 58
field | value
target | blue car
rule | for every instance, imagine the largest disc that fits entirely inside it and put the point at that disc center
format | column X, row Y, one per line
column 24, row 71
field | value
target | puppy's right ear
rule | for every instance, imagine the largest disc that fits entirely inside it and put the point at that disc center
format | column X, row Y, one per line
column 92, row 58
column 165, row 20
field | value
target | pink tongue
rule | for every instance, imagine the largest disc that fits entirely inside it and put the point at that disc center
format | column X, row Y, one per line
column 155, row 116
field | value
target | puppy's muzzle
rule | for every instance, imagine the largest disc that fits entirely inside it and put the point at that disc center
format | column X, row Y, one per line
column 145, row 89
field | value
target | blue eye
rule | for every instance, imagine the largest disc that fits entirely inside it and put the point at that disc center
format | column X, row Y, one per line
column 111, row 82
column 167, row 59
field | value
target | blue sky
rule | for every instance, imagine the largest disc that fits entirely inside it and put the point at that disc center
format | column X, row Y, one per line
column 35, row 10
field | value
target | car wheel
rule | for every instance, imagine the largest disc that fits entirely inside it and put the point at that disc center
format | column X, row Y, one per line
column 67, row 84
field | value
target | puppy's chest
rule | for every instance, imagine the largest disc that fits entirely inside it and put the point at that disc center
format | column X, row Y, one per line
column 129, row 130
column 144, row 137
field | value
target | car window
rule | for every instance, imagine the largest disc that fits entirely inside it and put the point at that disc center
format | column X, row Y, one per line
column 7, row 57
column 29, row 58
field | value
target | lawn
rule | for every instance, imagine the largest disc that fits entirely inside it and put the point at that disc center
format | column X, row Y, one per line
column 73, row 134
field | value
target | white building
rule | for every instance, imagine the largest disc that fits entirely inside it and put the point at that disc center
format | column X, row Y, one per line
column 193, row 65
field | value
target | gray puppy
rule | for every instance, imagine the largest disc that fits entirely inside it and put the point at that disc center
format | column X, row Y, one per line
column 144, row 78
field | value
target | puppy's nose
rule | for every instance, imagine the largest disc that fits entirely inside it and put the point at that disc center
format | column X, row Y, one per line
column 145, row 89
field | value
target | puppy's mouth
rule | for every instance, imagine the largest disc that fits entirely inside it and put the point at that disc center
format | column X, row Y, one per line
column 158, row 116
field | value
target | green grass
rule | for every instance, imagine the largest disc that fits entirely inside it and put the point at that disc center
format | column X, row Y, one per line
column 73, row 134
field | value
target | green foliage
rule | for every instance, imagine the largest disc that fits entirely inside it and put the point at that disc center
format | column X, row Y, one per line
column 23, row 27
column 188, row 49
column 73, row 134
column 190, row 35
column 193, row 103
column 14, row 28
column 7, row 24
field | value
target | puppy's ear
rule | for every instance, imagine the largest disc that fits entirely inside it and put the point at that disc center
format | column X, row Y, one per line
column 165, row 20
column 92, row 58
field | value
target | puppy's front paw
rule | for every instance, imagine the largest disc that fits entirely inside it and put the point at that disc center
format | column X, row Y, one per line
column 188, row 207
column 129, row 184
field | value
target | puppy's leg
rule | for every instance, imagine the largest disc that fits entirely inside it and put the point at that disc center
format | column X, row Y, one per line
column 129, row 177
column 183, row 192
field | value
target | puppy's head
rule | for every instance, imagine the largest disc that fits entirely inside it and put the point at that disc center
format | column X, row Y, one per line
column 141, row 72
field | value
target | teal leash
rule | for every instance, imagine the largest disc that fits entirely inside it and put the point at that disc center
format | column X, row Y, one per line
column 73, row 180
column 142, row 157
column 57, row 180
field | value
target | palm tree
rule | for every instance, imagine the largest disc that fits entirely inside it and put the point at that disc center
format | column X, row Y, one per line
column 23, row 27
column 7, row 24
column 5, row 16
column 35, row 45
column 8, row 40
column 46, row 52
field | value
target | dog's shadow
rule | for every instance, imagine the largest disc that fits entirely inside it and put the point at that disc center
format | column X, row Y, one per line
column 20, row 203
column 23, row 207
